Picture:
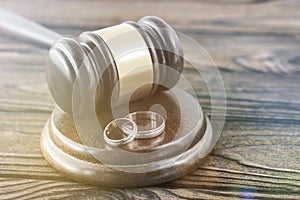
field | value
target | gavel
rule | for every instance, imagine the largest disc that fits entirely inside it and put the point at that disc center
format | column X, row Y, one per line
column 125, row 56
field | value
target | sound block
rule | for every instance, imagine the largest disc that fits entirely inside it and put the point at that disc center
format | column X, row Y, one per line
column 62, row 147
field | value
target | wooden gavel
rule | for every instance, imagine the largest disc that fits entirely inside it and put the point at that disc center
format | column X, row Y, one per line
column 125, row 56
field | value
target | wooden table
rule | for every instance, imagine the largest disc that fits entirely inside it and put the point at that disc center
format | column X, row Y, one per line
column 256, row 45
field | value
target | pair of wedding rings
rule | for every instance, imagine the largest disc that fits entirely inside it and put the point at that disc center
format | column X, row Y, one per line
column 136, row 125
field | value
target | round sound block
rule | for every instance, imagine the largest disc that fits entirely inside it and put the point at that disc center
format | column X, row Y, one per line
column 62, row 147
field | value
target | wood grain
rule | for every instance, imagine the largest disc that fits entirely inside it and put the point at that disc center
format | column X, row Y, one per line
column 254, row 43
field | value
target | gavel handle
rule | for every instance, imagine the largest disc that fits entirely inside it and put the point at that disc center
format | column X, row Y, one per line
column 26, row 28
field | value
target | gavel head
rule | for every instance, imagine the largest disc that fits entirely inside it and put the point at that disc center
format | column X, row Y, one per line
column 123, row 56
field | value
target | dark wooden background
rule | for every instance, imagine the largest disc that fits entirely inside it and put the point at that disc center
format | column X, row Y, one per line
column 255, row 43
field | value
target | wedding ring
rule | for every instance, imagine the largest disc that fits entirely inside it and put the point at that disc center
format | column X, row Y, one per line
column 149, row 124
column 114, row 133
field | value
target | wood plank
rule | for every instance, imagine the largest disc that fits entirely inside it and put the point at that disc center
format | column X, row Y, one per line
column 254, row 43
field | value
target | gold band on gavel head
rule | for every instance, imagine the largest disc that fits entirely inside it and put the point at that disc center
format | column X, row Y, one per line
column 132, row 58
